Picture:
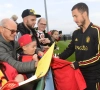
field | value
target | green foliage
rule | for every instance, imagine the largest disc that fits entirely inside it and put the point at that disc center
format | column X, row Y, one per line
column 62, row 46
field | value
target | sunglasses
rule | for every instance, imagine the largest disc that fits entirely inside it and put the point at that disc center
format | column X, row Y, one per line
column 12, row 31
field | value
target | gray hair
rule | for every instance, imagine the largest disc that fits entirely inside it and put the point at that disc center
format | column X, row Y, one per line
column 41, row 19
column 14, row 16
column 3, row 22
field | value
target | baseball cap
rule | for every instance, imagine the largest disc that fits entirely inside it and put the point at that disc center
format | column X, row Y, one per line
column 25, row 39
column 28, row 12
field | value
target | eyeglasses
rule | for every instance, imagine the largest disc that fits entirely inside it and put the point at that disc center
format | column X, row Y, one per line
column 43, row 24
column 12, row 31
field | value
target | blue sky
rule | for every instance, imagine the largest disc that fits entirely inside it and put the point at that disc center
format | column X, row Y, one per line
column 59, row 11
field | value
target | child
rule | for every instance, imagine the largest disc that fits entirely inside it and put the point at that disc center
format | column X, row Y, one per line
column 28, row 47
column 7, row 73
column 55, row 35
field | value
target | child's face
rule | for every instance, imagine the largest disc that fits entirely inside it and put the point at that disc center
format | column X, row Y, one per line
column 55, row 35
column 30, row 48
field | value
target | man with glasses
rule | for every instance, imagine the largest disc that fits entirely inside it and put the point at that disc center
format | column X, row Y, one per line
column 12, row 31
column 8, row 46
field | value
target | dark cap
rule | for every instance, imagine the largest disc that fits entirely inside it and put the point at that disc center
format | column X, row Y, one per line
column 28, row 12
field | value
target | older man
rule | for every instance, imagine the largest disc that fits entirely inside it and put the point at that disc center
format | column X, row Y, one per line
column 8, row 46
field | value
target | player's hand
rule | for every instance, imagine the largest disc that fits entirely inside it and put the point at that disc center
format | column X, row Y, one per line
column 72, row 65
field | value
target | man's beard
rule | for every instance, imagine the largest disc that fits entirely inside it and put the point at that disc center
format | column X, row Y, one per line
column 29, row 26
column 82, row 23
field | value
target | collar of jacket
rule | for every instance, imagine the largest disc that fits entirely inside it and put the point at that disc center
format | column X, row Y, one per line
column 87, row 27
column 36, row 28
column 24, row 30
column 5, row 42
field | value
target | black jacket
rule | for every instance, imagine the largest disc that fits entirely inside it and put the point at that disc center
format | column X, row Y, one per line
column 46, row 36
column 23, row 30
column 87, row 51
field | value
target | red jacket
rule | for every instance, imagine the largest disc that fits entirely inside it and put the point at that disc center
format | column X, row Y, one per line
column 10, row 71
column 27, row 58
column 65, row 77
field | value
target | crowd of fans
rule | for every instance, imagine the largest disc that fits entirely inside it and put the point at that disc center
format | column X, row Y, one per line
column 24, row 42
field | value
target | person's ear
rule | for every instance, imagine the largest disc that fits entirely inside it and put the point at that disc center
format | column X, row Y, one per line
column 25, row 19
column 1, row 29
column 85, row 14
column 24, row 48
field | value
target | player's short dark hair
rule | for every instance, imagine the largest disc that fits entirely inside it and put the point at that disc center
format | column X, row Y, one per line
column 82, row 7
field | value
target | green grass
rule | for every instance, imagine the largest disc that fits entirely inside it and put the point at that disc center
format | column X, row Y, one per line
column 62, row 46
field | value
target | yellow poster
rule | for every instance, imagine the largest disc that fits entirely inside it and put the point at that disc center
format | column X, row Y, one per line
column 44, row 63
